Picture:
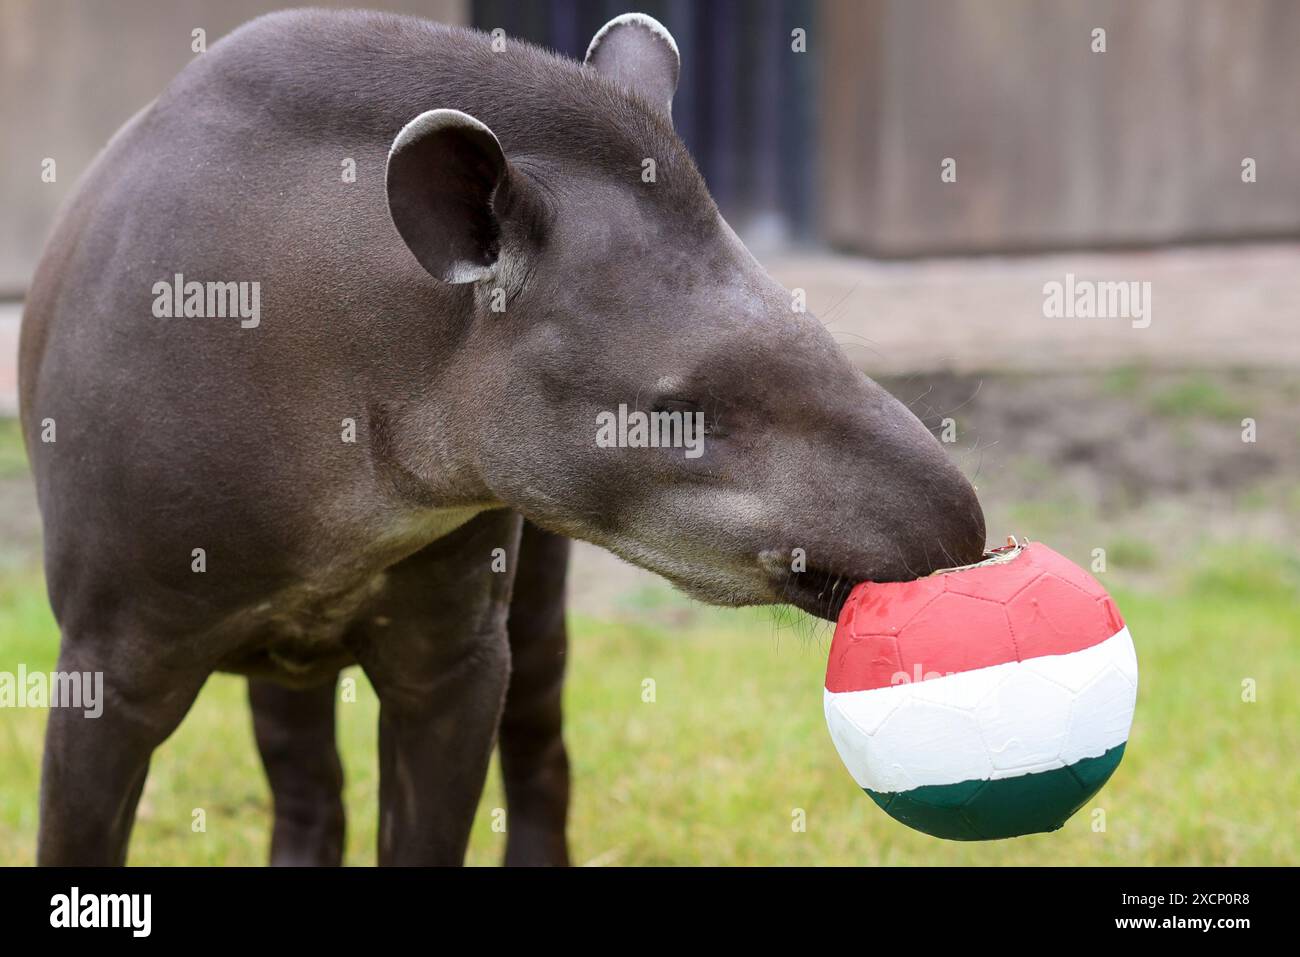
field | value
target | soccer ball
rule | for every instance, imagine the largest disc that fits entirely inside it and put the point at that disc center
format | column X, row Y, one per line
column 984, row 702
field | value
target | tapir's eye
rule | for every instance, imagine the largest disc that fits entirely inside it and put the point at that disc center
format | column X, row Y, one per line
column 676, row 405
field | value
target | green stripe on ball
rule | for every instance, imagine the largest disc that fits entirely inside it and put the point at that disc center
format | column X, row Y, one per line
column 1007, row 807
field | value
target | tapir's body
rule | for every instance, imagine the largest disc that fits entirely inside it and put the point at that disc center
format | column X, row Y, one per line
column 340, row 477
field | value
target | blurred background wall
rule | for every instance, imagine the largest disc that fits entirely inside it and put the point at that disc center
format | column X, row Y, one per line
column 840, row 145
column 1140, row 144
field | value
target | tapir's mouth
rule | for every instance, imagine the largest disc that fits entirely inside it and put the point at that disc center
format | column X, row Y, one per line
column 818, row 591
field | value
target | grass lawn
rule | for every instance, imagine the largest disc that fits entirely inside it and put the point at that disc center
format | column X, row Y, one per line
column 712, row 771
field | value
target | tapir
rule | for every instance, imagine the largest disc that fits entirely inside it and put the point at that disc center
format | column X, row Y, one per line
column 439, row 259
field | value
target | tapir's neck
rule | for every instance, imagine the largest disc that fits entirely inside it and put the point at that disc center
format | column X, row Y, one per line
column 425, row 453
column 419, row 394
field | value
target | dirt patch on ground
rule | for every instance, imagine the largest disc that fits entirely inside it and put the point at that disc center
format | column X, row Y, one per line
column 1133, row 434
column 1152, row 465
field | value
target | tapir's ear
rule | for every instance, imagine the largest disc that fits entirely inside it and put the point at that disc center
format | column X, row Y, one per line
column 638, row 52
column 445, row 169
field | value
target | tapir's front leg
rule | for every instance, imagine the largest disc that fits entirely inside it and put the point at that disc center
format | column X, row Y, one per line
column 97, row 755
column 436, row 651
